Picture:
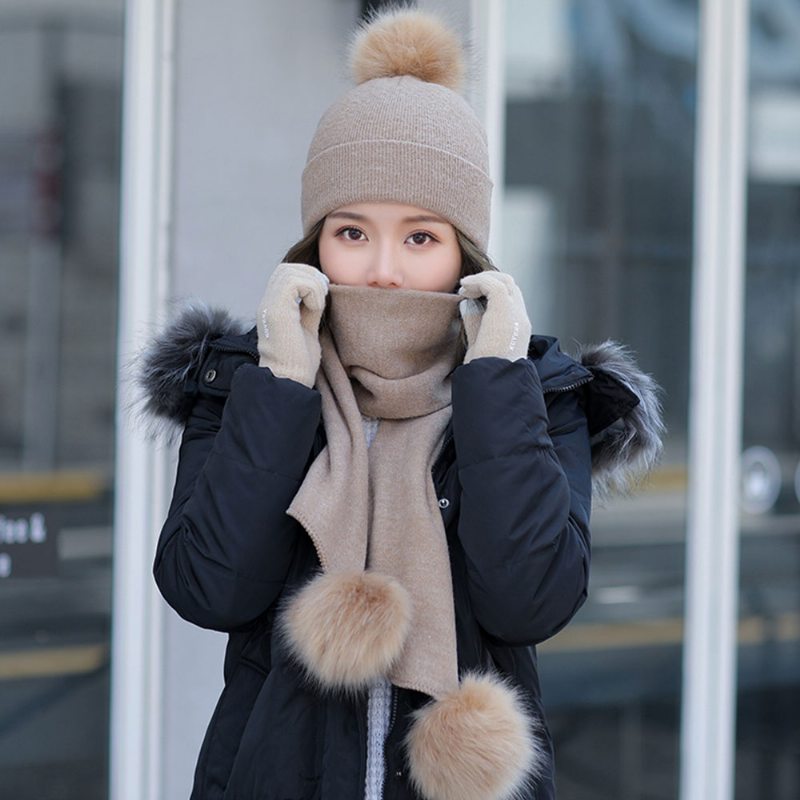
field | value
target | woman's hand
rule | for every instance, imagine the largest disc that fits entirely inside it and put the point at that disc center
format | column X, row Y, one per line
column 288, row 322
column 503, row 329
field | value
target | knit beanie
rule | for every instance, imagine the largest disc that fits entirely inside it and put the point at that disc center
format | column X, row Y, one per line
column 403, row 133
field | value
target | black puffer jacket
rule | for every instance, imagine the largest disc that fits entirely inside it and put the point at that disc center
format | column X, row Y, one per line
column 514, row 481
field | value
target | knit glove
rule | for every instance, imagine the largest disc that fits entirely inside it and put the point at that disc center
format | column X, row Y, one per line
column 288, row 322
column 503, row 328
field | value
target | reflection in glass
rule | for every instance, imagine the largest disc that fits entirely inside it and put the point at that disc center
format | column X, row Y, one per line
column 767, row 729
column 59, row 206
column 599, row 174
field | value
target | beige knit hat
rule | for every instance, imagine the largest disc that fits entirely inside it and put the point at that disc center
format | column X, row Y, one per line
column 403, row 134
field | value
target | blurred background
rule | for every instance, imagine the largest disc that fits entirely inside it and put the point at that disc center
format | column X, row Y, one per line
column 592, row 110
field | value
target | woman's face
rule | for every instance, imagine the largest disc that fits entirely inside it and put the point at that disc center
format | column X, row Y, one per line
column 390, row 246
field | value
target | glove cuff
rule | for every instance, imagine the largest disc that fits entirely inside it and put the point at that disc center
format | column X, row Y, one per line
column 509, row 341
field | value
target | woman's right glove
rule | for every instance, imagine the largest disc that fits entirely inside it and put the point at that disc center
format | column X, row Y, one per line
column 288, row 322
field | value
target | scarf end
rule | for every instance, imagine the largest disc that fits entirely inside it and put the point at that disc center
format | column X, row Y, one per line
column 477, row 743
column 347, row 628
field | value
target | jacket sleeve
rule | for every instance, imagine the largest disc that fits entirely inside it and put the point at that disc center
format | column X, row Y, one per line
column 525, row 474
column 226, row 546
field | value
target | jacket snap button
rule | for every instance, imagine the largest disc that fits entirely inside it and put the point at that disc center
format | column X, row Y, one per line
column 210, row 376
column 443, row 502
column 398, row 773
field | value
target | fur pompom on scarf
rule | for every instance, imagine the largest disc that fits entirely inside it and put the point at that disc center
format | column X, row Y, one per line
column 383, row 604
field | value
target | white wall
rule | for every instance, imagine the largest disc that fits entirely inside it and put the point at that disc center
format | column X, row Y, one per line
column 253, row 78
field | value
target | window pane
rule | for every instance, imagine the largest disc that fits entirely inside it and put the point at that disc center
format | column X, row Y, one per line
column 768, row 735
column 598, row 222
column 60, row 85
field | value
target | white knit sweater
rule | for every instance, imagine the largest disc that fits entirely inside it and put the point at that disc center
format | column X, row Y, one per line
column 379, row 703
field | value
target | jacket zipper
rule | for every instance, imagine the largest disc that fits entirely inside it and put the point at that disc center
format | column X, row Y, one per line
column 227, row 348
column 441, row 453
column 569, row 387
column 394, row 710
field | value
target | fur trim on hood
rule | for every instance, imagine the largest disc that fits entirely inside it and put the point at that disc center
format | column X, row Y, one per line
column 621, row 401
column 163, row 370
column 625, row 450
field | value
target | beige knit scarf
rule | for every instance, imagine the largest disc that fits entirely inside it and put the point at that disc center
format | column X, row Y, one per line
column 387, row 354
column 382, row 606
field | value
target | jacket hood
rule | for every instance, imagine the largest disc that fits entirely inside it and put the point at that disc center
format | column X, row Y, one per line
column 622, row 403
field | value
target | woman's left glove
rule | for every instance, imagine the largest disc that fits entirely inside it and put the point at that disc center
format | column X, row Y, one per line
column 503, row 328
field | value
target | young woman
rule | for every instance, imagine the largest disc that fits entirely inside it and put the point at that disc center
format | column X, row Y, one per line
column 384, row 486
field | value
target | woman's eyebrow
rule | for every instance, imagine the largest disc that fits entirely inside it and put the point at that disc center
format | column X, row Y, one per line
column 346, row 215
column 425, row 218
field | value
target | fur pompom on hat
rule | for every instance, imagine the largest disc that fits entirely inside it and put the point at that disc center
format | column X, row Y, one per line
column 403, row 42
column 403, row 134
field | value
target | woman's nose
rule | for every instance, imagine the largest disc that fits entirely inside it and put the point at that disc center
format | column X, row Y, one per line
column 384, row 272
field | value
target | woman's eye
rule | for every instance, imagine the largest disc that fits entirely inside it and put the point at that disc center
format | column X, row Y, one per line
column 346, row 233
column 421, row 238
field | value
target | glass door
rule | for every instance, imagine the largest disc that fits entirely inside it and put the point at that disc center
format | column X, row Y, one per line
column 598, row 225
column 59, row 207
column 768, row 733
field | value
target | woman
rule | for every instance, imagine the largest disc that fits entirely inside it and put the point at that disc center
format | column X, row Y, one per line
column 384, row 486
